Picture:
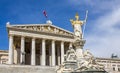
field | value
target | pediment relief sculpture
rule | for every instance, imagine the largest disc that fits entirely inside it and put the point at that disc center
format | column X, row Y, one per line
column 44, row 28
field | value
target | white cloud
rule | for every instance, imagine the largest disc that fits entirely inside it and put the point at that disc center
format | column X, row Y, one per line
column 108, row 22
column 106, row 39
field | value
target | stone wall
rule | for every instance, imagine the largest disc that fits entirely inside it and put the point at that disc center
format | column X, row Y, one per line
column 26, row 69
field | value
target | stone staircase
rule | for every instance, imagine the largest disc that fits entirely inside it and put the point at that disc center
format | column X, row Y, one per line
column 26, row 69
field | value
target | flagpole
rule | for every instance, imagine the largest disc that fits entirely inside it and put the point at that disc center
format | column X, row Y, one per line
column 85, row 23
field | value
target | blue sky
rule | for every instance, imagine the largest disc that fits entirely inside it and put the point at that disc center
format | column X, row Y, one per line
column 103, row 25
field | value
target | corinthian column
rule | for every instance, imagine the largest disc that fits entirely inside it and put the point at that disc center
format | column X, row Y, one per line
column 11, row 51
column 53, row 53
column 58, row 54
column 33, row 59
column 43, row 62
column 22, row 57
column 62, row 52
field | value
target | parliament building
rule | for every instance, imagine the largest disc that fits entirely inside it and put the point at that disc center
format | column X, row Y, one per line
column 44, row 45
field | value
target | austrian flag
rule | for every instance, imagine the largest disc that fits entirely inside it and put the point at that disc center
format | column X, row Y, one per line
column 45, row 14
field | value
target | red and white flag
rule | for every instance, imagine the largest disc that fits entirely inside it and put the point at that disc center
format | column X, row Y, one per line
column 45, row 14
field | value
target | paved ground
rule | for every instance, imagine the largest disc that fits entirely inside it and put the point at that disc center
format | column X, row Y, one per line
column 26, row 69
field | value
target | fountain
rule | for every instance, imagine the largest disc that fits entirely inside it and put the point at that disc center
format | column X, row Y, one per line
column 77, row 60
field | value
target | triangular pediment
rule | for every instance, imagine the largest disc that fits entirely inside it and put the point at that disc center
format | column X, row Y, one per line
column 48, row 28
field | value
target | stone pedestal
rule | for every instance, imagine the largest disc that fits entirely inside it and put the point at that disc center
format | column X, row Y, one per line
column 79, row 43
column 70, row 65
column 79, row 47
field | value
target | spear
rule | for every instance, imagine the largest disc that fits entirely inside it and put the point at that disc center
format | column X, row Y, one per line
column 85, row 23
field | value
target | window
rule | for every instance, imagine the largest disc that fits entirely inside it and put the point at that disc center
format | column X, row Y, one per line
column 118, row 65
column 113, row 65
column 3, row 62
column 113, row 68
column 119, row 69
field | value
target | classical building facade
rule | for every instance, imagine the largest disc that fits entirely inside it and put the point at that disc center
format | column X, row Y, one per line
column 38, row 44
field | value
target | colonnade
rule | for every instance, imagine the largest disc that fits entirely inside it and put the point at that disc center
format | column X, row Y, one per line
column 33, row 51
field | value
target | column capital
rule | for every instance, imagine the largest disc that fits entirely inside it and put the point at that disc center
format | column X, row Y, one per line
column 11, row 35
column 43, row 39
column 71, row 42
column 23, row 36
column 53, row 40
column 62, row 41
column 33, row 37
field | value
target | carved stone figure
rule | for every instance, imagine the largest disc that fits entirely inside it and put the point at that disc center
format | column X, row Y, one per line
column 88, row 62
column 77, row 25
column 60, row 69
column 88, row 55
column 70, row 55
